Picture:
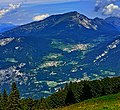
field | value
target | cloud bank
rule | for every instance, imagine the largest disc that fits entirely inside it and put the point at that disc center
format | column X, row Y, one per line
column 10, row 8
column 111, row 10
column 40, row 17
column 108, row 7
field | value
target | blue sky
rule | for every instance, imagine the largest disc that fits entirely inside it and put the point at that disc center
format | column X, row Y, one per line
column 36, row 1
column 25, row 11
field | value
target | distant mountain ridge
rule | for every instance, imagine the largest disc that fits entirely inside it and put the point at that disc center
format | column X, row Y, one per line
column 68, row 23
column 115, row 21
column 6, row 26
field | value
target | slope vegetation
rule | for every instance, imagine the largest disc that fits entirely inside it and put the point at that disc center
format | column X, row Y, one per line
column 110, row 102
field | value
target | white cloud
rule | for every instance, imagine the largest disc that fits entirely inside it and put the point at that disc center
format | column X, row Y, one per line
column 40, row 17
column 100, row 4
column 108, row 7
column 111, row 9
column 9, row 9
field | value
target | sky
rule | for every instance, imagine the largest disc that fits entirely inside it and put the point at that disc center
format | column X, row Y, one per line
column 20, row 12
column 35, row 1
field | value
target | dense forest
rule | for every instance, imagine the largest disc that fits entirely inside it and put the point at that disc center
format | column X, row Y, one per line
column 70, row 94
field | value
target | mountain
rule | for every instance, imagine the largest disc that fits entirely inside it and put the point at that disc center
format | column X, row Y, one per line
column 67, row 24
column 43, row 56
column 5, row 27
column 109, row 58
column 115, row 21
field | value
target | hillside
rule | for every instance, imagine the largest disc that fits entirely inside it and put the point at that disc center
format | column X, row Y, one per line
column 6, row 27
column 45, row 55
column 110, row 102
column 99, row 92
column 115, row 21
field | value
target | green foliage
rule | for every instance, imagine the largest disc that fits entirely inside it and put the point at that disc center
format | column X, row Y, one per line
column 70, row 99
column 86, row 91
column 70, row 94
column 42, row 105
column 1, row 101
column 77, row 92
column 28, row 104
column 57, row 99
column 5, row 99
column 109, row 102
column 96, row 88
column 14, row 98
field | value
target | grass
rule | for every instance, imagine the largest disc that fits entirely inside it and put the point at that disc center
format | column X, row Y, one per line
column 110, row 102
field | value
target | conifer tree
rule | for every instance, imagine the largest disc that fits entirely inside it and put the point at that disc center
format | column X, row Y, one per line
column 30, row 104
column 14, row 98
column 70, row 99
column 86, row 92
column 1, row 104
column 5, row 99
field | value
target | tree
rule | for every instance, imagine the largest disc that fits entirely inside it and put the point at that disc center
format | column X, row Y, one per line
column 86, row 93
column 70, row 99
column 30, row 104
column 107, row 86
column 1, row 102
column 14, row 98
column 43, row 104
column 5, row 99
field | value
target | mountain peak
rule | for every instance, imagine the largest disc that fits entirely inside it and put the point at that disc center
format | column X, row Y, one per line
column 63, row 23
column 73, row 14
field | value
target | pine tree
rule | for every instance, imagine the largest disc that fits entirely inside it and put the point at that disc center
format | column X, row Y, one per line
column 14, row 98
column 70, row 99
column 86, row 92
column 5, row 99
column 30, row 104
column 1, row 102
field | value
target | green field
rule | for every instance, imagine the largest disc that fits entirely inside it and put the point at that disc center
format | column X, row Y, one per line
column 110, row 102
